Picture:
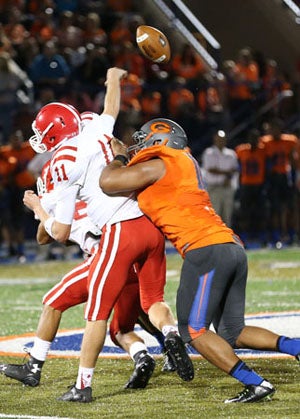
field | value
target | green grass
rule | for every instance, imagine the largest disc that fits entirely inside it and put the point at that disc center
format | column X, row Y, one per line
column 273, row 285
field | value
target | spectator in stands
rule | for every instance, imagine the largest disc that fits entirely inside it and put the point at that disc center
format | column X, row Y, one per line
column 90, row 75
column 211, row 99
column 151, row 102
column 243, row 85
column 43, row 25
column 280, row 153
column 131, row 88
column 275, row 83
column 6, row 169
column 120, row 32
column 62, row 6
column 220, row 166
column 180, row 99
column 120, row 7
column 68, row 33
column 93, row 31
column 128, row 57
column 252, row 164
column 188, row 65
column 19, row 154
column 15, row 89
column 50, row 69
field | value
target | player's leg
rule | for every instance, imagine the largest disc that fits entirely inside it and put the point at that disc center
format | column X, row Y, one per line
column 152, row 278
column 126, row 311
column 70, row 291
column 121, row 245
column 144, row 322
column 107, row 277
column 210, row 287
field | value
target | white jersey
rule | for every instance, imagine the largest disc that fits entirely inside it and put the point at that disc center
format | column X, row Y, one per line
column 76, row 167
column 83, row 232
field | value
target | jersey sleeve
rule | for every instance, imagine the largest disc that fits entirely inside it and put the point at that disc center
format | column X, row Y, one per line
column 66, row 172
column 65, row 205
column 95, row 133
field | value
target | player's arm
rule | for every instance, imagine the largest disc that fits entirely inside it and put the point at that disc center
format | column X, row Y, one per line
column 57, row 230
column 42, row 237
column 117, row 179
column 113, row 91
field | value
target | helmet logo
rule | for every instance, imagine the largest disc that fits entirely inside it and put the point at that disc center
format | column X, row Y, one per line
column 160, row 126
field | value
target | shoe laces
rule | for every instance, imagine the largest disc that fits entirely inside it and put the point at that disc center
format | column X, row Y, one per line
column 27, row 353
column 245, row 391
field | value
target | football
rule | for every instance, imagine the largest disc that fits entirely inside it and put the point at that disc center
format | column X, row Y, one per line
column 153, row 44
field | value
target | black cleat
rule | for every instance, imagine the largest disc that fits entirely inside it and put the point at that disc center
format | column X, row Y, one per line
column 177, row 352
column 168, row 364
column 143, row 370
column 298, row 358
column 252, row 394
column 28, row 374
column 77, row 395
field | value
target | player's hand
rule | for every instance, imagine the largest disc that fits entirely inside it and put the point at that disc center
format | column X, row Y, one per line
column 118, row 147
column 115, row 74
column 31, row 200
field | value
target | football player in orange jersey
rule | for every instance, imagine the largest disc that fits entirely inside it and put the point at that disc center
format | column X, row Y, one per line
column 170, row 191
column 280, row 148
column 252, row 162
column 19, row 153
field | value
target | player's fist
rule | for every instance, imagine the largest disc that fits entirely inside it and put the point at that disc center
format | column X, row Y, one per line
column 115, row 73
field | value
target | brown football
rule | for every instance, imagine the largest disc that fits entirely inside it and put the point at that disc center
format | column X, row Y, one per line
column 153, row 44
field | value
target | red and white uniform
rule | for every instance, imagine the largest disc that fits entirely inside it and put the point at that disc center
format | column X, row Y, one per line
column 72, row 289
column 75, row 169
column 128, row 237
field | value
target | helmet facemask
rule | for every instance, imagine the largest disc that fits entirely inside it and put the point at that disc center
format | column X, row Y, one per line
column 36, row 140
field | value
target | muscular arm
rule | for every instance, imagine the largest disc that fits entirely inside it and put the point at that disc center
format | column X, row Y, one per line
column 117, row 179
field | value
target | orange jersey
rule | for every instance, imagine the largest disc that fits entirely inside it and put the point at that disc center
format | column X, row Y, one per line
column 178, row 203
column 252, row 164
column 279, row 152
column 187, row 70
column 6, row 169
column 20, row 158
column 297, row 155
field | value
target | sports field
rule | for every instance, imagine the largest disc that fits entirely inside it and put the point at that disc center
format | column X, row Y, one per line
column 273, row 299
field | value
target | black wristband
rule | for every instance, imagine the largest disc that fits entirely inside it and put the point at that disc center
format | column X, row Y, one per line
column 122, row 159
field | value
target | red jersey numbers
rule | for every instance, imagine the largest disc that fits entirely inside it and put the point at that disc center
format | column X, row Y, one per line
column 60, row 173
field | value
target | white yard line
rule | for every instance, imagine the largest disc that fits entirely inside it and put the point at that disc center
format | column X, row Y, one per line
column 3, row 415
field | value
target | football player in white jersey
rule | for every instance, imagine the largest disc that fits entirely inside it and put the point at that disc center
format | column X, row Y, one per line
column 128, row 237
column 72, row 290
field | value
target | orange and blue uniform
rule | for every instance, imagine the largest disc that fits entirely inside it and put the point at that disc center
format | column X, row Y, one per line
column 188, row 219
column 252, row 163
column 214, row 271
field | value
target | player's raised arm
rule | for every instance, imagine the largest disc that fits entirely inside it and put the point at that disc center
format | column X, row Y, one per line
column 113, row 91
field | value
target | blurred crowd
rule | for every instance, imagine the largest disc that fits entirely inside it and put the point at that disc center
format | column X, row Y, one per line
column 60, row 51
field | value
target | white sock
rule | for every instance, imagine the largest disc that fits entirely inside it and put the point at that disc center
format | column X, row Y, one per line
column 84, row 377
column 169, row 328
column 40, row 349
column 136, row 347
